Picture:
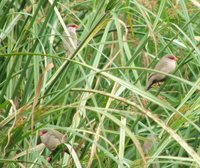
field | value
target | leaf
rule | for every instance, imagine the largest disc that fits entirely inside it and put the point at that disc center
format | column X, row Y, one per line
column 111, row 5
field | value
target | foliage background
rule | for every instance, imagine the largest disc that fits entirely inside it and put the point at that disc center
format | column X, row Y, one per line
column 97, row 96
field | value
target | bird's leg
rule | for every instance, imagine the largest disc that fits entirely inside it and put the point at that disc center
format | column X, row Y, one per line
column 55, row 154
column 49, row 159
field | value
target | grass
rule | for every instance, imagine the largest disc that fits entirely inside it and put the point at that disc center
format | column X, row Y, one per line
column 97, row 95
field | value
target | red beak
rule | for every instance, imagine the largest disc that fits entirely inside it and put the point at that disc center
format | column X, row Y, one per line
column 77, row 27
column 175, row 58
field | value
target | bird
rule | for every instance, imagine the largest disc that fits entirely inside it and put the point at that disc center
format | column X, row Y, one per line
column 166, row 64
column 52, row 138
column 72, row 28
column 149, row 142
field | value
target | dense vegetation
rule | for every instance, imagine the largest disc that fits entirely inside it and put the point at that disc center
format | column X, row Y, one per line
column 97, row 95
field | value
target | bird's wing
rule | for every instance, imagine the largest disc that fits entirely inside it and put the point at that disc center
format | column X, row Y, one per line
column 163, row 66
column 54, row 134
column 158, row 67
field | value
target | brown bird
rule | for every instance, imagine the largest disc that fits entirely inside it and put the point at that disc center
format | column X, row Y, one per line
column 72, row 32
column 166, row 64
column 149, row 142
column 52, row 139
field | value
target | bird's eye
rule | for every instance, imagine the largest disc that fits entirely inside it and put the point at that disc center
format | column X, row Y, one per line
column 173, row 58
column 75, row 26
column 43, row 132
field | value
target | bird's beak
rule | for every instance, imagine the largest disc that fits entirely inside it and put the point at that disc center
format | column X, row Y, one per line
column 77, row 27
column 176, row 58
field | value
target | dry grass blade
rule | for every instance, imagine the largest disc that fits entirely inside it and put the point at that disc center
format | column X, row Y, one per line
column 38, row 90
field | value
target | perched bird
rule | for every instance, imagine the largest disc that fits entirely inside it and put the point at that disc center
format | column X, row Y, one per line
column 52, row 139
column 149, row 142
column 148, row 145
column 72, row 32
column 166, row 64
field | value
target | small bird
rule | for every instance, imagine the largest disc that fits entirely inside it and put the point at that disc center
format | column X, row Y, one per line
column 72, row 31
column 149, row 142
column 52, row 139
column 166, row 64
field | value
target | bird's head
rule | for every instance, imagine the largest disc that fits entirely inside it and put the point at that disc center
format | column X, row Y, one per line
column 73, row 26
column 172, row 57
column 43, row 132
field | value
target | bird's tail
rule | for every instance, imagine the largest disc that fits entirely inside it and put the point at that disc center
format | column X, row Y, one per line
column 150, row 83
column 148, row 87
